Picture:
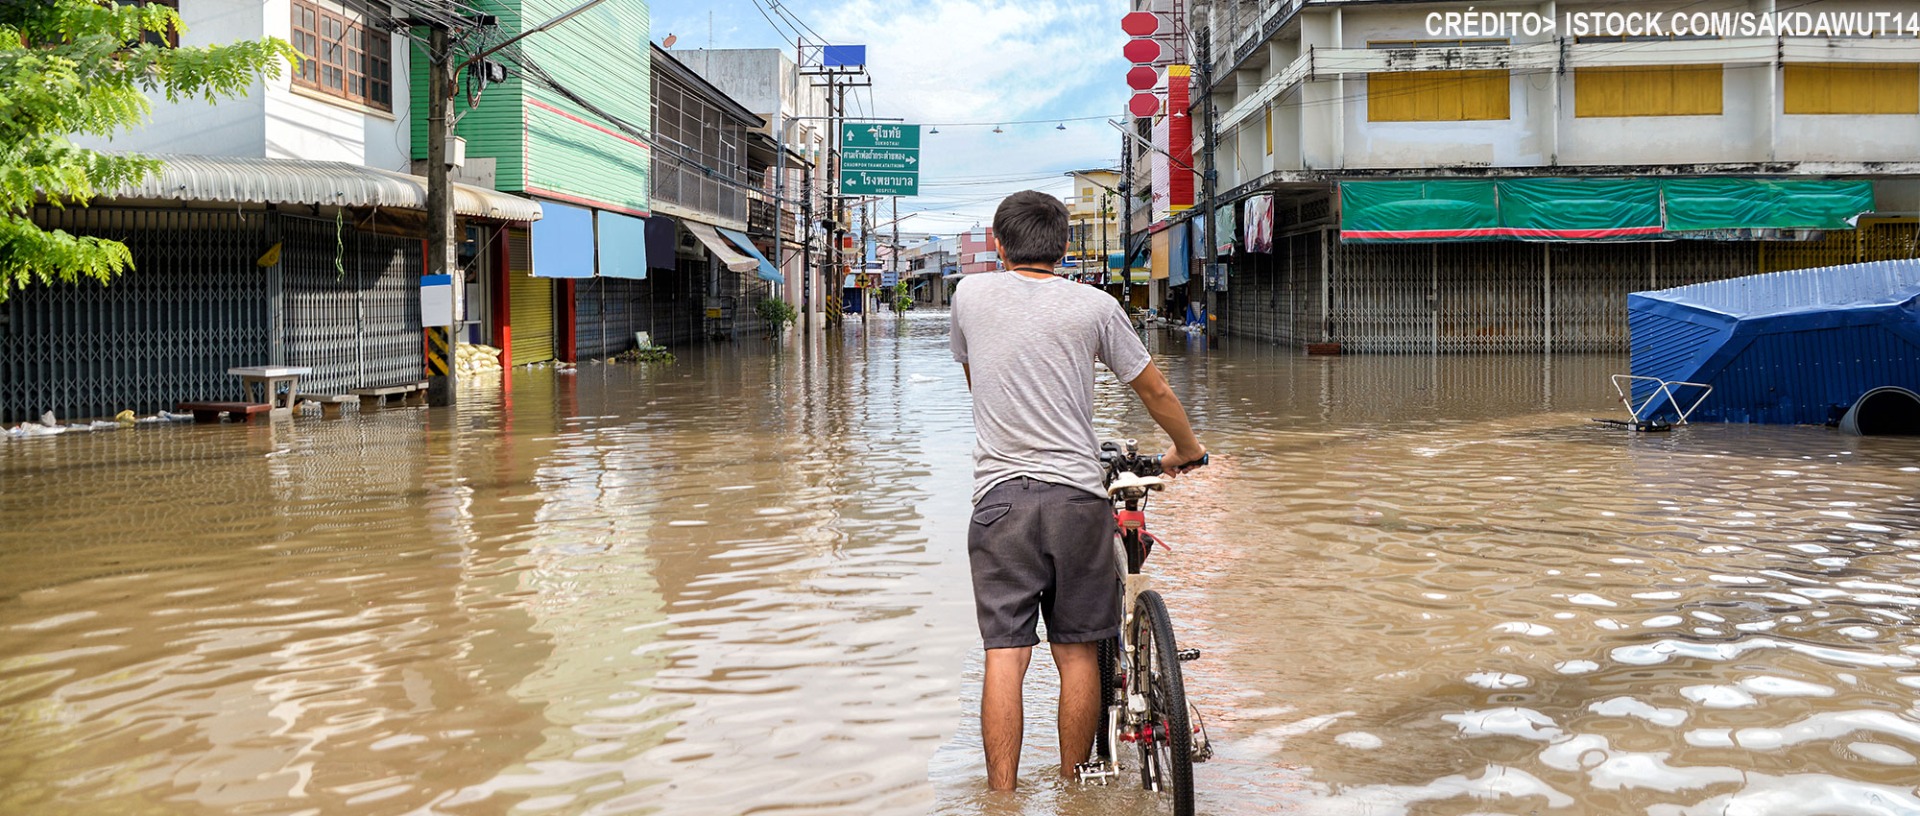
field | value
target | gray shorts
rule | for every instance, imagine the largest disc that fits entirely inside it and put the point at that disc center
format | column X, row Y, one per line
column 1041, row 549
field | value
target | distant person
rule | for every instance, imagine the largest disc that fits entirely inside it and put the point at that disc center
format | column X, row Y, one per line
column 1041, row 539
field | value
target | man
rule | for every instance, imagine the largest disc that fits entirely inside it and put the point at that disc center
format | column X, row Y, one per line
column 1041, row 539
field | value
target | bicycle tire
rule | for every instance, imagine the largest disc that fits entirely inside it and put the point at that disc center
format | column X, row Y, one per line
column 1165, row 765
column 1109, row 663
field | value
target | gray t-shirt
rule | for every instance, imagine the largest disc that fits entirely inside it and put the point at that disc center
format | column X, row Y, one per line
column 1030, row 345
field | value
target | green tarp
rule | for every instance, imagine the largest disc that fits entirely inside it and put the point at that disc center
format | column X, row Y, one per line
column 1592, row 209
column 1716, row 204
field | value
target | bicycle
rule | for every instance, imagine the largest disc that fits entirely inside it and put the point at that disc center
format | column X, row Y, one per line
column 1143, row 698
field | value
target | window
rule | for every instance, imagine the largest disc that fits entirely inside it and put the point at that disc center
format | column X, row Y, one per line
column 1438, row 96
column 1851, row 88
column 342, row 57
column 1651, row 90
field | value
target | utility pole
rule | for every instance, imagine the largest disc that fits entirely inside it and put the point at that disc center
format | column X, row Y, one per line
column 893, row 257
column 1106, row 207
column 1209, row 180
column 442, row 388
column 1126, row 218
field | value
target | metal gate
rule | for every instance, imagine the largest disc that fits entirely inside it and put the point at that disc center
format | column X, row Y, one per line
column 349, row 305
column 529, row 303
column 193, row 306
column 607, row 313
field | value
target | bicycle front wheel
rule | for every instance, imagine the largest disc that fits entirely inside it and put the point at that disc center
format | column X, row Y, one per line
column 1166, row 740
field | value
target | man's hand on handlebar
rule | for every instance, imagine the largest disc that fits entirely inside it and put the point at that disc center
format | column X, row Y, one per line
column 1174, row 462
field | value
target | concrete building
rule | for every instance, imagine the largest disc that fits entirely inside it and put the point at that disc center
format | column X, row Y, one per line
column 977, row 251
column 282, row 229
column 1319, row 104
column 767, row 82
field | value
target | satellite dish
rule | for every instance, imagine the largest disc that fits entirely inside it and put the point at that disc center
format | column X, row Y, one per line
column 669, row 41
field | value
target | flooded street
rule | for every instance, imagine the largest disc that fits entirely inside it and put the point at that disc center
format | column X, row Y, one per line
column 739, row 584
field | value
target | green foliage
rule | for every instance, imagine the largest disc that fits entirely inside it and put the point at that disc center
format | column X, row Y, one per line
column 79, row 67
column 777, row 313
column 902, row 296
column 649, row 354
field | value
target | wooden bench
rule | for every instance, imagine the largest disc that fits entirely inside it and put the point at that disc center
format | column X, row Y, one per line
column 332, row 406
column 414, row 393
column 204, row 412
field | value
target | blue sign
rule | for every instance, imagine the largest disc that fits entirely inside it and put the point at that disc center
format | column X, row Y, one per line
column 843, row 56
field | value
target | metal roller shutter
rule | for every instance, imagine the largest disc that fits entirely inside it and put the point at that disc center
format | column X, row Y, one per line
column 529, row 303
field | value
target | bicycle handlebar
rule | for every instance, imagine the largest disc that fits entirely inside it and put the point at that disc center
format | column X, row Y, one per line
column 1118, row 461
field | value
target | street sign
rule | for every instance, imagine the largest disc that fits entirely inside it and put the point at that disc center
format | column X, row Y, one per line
column 882, row 159
column 879, row 158
column 879, row 134
column 862, row 182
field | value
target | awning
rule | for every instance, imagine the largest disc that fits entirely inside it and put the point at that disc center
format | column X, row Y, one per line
column 1593, row 209
column 291, row 181
column 1178, row 253
column 720, row 248
column 623, row 246
column 662, row 238
column 767, row 270
column 563, row 242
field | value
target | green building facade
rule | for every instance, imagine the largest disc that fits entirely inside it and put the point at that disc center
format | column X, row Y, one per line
column 572, row 122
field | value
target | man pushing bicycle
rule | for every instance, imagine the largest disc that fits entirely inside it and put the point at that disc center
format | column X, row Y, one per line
column 1041, row 539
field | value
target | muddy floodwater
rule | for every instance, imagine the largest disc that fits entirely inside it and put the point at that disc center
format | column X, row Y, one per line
column 738, row 584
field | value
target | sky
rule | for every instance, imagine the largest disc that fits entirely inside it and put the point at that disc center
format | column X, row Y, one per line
column 963, row 66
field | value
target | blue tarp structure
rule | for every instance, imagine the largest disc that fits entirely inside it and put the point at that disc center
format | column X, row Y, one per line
column 623, row 246
column 563, row 242
column 1795, row 347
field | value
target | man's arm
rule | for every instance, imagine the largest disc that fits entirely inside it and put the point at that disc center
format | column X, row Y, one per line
column 1154, row 393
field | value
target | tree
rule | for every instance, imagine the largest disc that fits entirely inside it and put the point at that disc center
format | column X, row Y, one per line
column 86, row 67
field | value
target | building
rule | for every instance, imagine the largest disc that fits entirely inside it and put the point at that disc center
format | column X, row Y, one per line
column 710, row 159
column 793, row 193
column 1504, row 192
column 977, row 251
column 928, row 263
column 565, row 124
column 283, row 230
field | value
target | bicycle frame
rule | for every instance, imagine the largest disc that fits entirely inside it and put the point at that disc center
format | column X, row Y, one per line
column 1127, row 708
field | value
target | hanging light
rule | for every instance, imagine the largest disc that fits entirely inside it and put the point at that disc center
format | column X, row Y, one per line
column 936, row 129
column 1061, row 126
column 996, row 129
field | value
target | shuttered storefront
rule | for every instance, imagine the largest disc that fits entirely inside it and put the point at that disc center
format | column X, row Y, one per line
column 530, row 303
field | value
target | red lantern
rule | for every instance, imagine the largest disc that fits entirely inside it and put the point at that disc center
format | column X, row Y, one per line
column 1140, row 52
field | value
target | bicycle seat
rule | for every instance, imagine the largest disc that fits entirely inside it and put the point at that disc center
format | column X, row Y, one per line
column 1128, row 481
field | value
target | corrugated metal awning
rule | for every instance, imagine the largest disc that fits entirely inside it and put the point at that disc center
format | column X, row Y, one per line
column 290, row 181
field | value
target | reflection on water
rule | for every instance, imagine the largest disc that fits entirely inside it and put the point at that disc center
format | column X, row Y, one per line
column 738, row 583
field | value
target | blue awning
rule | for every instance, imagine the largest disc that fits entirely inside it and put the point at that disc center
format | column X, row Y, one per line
column 563, row 242
column 767, row 270
column 623, row 246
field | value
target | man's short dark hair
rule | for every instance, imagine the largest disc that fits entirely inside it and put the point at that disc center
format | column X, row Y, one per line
column 1031, row 228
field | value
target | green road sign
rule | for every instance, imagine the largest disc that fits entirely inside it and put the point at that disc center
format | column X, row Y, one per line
column 879, row 134
column 862, row 182
column 881, row 159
